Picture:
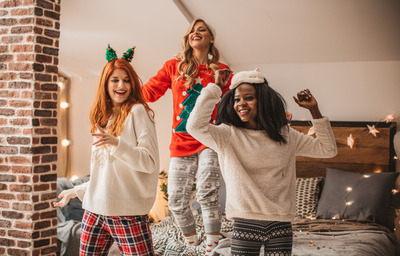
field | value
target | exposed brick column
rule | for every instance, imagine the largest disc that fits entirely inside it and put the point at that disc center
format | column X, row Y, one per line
column 29, row 42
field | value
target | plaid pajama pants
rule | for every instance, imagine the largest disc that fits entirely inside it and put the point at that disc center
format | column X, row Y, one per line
column 131, row 233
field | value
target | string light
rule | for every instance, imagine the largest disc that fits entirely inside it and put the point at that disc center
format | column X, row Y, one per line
column 65, row 143
column 64, row 105
column 75, row 177
column 349, row 203
column 366, row 176
column 349, row 189
column 350, row 141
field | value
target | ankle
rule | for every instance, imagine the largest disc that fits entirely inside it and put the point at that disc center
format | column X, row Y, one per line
column 192, row 240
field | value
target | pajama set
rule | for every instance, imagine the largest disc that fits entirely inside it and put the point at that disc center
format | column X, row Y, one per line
column 121, row 190
column 188, row 156
column 260, row 175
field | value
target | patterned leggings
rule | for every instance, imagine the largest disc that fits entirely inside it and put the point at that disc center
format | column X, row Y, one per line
column 249, row 235
column 181, row 176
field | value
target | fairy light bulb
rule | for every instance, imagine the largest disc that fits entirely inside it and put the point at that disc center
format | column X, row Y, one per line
column 349, row 203
column 366, row 176
column 73, row 178
column 64, row 105
column 65, row 142
column 349, row 189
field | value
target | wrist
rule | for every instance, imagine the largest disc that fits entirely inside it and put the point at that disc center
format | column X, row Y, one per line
column 315, row 113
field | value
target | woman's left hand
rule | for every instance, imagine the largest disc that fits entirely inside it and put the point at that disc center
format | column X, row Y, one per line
column 305, row 99
column 104, row 138
column 222, row 77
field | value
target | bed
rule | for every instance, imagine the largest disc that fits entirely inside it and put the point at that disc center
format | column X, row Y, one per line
column 346, row 205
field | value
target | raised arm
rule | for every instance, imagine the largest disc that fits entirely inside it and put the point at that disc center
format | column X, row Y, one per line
column 306, row 100
column 198, row 124
column 324, row 145
column 158, row 84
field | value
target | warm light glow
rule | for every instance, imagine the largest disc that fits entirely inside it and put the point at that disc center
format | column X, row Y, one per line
column 349, row 189
column 64, row 105
column 350, row 141
column 366, row 176
column 311, row 131
column 75, row 177
column 395, row 157
column 378, row 171
column 395, row 191
column 349, row 203
column 389, row 118
column 65, row 143
column 372, row 130
column 61, row 85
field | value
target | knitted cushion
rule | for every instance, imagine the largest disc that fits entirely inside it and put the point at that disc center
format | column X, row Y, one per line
column 307, row 193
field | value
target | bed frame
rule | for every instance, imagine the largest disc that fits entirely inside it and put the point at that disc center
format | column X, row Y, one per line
column 369, row 153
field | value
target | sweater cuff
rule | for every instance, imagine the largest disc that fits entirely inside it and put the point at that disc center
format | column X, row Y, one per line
column 215, row 89
column 324, row 121
column 80, row 191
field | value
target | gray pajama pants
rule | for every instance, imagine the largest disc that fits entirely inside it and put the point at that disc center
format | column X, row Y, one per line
column 181, row 176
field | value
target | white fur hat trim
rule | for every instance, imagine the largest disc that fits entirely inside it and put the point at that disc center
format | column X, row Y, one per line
column 251, row 77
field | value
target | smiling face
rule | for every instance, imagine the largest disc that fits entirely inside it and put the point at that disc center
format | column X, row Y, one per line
column 200, row 36
column 245, row 105
column 119, row 87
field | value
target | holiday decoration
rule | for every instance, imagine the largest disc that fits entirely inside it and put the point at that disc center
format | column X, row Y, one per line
column 188, row 105
column 389, row 118
column 372, row 130
column 128, row 55
column 350, row 141
column 110, row 54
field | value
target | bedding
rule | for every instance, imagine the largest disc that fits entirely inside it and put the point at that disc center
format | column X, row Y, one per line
column 311, row 237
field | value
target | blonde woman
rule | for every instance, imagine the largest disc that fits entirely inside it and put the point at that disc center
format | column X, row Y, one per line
column 186, row 75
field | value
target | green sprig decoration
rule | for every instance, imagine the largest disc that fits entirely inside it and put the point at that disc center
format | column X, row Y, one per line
column 128, row 55
column 110, row 54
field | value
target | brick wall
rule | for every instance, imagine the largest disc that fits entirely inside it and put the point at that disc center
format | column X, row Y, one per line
column 29, row 42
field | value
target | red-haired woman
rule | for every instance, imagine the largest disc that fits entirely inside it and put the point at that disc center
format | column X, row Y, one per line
column 124, row 165
column 186, row 75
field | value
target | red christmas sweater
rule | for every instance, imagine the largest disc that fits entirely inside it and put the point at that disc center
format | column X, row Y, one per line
column 184, row 99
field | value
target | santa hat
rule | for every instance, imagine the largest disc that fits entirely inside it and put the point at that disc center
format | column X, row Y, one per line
column 250, row 77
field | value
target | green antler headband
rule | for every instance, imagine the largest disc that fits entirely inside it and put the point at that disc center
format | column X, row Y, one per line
column 112, row 55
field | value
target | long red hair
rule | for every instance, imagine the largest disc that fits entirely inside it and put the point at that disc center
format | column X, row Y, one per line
column 102, row 108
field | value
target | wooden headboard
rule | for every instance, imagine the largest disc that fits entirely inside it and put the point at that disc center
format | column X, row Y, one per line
column 369, row 153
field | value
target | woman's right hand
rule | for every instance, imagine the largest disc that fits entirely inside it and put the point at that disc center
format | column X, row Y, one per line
column 222, row 77
column 65, row 196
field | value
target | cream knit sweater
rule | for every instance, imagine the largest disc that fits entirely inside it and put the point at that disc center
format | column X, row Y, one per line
column 260, row 174
column 123, row 180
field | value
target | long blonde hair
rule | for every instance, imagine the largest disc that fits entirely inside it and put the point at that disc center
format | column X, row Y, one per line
column 188, row 66
column 102, row 108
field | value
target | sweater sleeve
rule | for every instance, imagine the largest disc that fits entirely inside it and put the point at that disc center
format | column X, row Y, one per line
column 80, row 190
column 158, row 84
column 142, row 155
column 323, row 146
column 199, row 126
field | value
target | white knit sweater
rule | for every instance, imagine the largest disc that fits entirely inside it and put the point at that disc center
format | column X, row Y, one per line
column 260, row 174
column 123, row 180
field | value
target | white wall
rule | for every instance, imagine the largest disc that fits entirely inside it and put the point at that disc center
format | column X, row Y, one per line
column 346, row 52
